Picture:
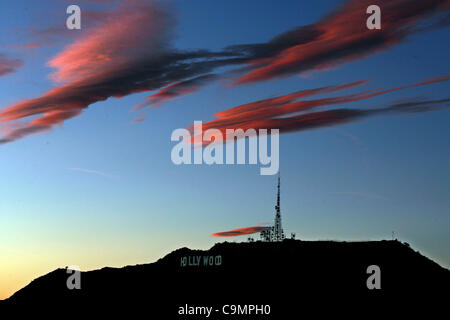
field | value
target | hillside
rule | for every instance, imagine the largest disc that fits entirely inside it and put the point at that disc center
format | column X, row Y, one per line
column 288, row 275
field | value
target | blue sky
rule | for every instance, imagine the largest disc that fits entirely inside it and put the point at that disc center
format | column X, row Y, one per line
column 355, row 181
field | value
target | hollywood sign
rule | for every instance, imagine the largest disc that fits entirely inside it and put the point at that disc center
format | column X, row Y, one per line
column 197, row 261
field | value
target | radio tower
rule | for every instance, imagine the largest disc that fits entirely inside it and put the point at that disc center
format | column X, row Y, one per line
column 278, row 233
column 275, row 232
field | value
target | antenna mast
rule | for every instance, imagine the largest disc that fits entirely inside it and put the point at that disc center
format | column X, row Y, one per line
column 275, row 232
column 278, row 234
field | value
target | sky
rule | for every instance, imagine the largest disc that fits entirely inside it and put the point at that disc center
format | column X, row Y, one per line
column 86, row 118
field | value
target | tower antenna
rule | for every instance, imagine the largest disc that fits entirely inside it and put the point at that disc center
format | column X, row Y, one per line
column 278, row 230
column 275, row 232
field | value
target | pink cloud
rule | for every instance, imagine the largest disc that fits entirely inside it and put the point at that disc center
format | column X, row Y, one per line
column 125, row 34
column 8, row 65
column 175, row 90
column 240, row 231
column 127, row 50
column 28, row 46
column 342, row 37
column 287, row 114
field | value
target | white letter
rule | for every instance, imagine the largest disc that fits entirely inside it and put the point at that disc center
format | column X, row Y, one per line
column 374, row 281
column 184, row 145
column 216, row 146
column 73, row 21
column 198, row 142
column 74, row 281
column 374, row 21
column 264, row 158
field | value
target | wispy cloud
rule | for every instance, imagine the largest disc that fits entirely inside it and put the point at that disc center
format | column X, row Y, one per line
column 288, row 115
column 128, row 49
column 8, row 65
column 339, row 38
column 28, row 46
column 141, row 119
column 175, row 90
column 239, row 232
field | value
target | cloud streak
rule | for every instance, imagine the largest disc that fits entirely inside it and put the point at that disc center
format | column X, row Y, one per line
column 111, row 45
column 288, row 115
column 137, row 58
column 128, row 50
column 28, row 46
column 8, row 65
column 175, row 90
column 339, row 38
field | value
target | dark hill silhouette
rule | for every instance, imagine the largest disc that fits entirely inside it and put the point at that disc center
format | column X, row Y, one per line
column 292, row 276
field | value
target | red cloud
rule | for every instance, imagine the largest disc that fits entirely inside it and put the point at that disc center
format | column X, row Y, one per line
column 282, row 100
column 319, row 119
column 175, row 90
column 342, row 36
column 28, row 46
column 127, row 50
column 98, row 67
column 125, row 34
column 280, row 112
column 239, row 232
column 9, row 65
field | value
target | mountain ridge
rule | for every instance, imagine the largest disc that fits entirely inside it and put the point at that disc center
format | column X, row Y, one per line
column 273, row 273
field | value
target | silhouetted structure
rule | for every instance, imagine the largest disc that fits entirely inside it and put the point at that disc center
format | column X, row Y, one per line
column 275, row 233
column 329, row 278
